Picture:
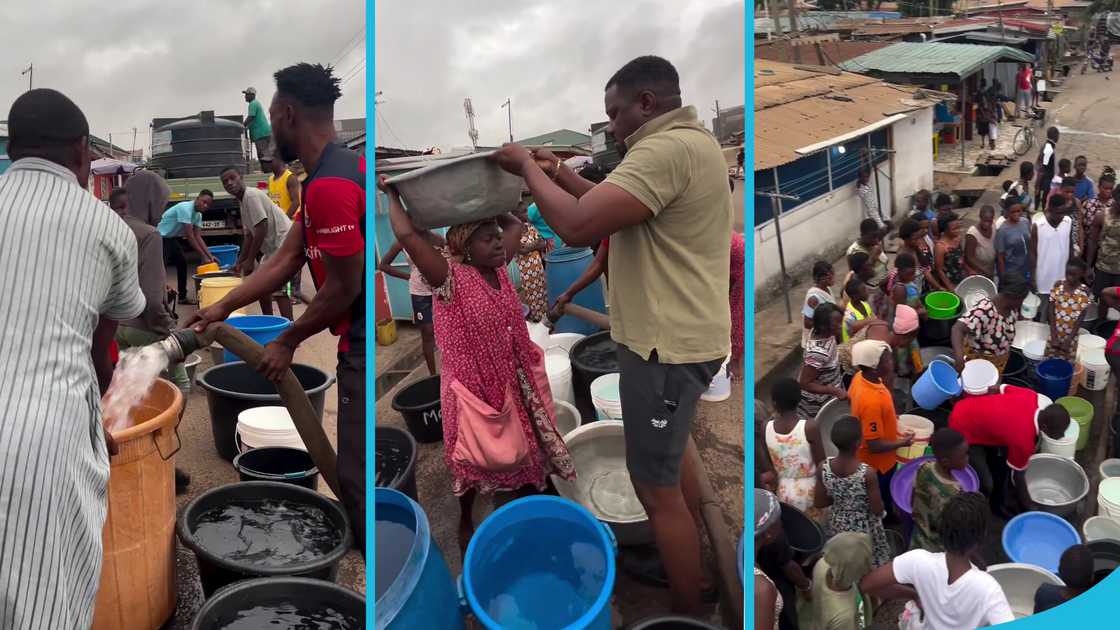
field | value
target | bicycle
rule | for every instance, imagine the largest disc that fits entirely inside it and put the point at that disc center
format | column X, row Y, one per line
column 1024, row 138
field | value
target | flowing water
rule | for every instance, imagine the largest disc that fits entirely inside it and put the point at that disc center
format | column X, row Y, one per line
column 292, row 617
column 272, row 533
column 136, row 370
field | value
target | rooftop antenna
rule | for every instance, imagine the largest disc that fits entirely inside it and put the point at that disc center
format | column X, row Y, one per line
column 471, row 130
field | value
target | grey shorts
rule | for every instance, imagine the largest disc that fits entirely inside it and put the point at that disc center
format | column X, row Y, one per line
column 264, row 148
column 658, row 404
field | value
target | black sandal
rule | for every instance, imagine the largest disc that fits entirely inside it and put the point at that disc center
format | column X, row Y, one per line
column 643, row 563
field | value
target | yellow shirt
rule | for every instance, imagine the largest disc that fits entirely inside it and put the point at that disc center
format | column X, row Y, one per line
column 677, row 263
column 278, row 190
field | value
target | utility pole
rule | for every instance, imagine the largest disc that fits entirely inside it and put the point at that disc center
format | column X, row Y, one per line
column 30, row 73
column 509, row 112
column 1002, row 33
column 776, row 201
column 132, row 153
column 472, row 132
column 717, row 127
column 793, row 25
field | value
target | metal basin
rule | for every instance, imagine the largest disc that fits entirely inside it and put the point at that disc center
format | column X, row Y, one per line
column 191, row 363
column 1020, row 582
column 832, row 411
column 929, row 353
column 1056, row 484
column 603, row 484
column 973, row 288
column 451, row 192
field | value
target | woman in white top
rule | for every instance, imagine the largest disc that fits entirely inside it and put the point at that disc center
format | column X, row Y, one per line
column 954, row 593
column 819, row 293
column 421, row 294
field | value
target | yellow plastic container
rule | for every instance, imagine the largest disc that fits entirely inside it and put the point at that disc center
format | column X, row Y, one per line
column 922, row 429
column 137, row 589
column 387, row 332
column 208, row 268
column 214, row 289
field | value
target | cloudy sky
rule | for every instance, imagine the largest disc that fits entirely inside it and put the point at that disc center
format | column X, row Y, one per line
column 551, row 58
column 127, row 61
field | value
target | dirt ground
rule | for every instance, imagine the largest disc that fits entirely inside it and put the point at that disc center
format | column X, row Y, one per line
column 208, row 470
column 718, row 433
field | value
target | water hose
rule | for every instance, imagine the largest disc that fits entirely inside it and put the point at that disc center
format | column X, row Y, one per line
column 182, row 343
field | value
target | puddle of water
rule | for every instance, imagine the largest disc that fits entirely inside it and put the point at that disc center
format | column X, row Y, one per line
column 1098, row 134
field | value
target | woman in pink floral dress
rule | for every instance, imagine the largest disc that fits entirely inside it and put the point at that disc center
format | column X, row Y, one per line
column 486, row 350
column 737, row 295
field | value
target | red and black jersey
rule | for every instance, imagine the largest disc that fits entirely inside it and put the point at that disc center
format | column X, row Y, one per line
column 333, row 219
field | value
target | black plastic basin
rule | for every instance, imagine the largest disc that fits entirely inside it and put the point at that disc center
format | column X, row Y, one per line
column 592, row 357
column 419, row 404
column 277, row 463
column 234, row 387
column 396, row 461
column 313, row 598
column 216, row 571
column 804, row 535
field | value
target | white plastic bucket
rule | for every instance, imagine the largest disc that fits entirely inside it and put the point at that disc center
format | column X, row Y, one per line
column 1109, row 468
column 567, row 418
column 1035, row 350
column 922, row 429
column 978, row 375
column 606, row 398
column 564, row 340
column 1086, row 344
column 1030, row 306
column 266, row 426
column 538, row 333
column 559, row 369
column 1064, row 447
column 1096, row 370
column 1108, row 498
column 1100, row 528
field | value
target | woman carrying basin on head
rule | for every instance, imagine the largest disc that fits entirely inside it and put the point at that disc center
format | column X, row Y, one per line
column 492, row 374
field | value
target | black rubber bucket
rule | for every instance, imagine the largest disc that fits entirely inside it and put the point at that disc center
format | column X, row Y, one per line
column 592, row 357
column 1104, row 328
column 396, row 461
column 673, row 623
column 1106, row 558
column 277, row 463
column 234, row 387
column 805, row 536
column 217, row 571
column 419, row 404
column 322, row 604
column 1018, row 381
column 1016, row 365
column 936, row 332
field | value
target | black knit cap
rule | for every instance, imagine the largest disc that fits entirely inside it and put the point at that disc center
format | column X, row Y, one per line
column 44, row 117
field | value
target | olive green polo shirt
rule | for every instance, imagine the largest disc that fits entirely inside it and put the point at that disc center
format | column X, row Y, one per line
column 670, row 275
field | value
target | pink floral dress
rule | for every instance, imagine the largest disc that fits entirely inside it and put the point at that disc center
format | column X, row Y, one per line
column 486, row 347
column 738, row 272
column 793, row 463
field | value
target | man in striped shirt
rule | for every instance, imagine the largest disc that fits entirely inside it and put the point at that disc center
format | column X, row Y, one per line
column 69, row 262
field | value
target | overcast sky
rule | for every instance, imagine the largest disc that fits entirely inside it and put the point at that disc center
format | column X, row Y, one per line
column 552, row 59
column 127, row 61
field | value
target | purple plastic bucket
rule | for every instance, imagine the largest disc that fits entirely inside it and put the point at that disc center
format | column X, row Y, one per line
column 902, row 487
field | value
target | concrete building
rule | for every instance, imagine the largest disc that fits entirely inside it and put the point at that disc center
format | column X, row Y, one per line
column 814, row 131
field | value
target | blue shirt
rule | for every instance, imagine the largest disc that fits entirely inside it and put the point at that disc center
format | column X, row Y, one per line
column 177, row 216
column 538, row 222
column 1084, row 189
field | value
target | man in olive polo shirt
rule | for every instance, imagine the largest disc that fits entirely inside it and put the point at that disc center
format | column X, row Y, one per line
column 668, row 212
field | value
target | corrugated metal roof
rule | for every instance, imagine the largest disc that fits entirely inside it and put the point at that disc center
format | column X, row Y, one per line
column 831, row 52
column 800, row 106
column 960, row 60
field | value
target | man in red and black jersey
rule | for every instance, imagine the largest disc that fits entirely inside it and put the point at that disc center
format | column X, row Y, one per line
column 330, row 237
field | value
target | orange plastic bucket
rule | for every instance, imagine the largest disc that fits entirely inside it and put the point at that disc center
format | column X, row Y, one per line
column 208, row 268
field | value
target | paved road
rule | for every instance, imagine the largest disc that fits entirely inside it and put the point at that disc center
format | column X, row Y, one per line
column 1085, row 113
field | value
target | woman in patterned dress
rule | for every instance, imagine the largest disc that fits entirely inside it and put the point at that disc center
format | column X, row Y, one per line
column 474, row 302
column 530, row 262
column 1069, row 300
column 986, row 330
column 849, row 489
column 821, row 379
column 736, row 296
column 795, row 448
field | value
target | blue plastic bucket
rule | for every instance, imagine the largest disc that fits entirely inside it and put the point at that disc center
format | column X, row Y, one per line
column 565, row 266
column 1038, row 538
column 936, row 385
column 413, row 587
column 1054, row 377
column 260, row 328
column 540, row 562
column 226, row 254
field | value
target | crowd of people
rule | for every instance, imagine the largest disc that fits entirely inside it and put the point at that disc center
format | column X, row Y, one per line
column 1054, row 235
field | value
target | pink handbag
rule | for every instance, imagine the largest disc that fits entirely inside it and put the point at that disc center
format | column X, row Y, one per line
column 488, row 439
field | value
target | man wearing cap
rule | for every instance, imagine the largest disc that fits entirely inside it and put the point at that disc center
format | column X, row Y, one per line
column 1002, row 429
column 260, row 132
column 873, row 405
column 69, row 263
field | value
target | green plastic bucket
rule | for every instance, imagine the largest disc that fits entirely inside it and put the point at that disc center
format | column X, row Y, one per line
column 942, row 305
column 1081, row 411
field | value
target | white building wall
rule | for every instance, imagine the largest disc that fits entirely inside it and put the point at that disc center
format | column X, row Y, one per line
column 913, row 159
column 823, row 228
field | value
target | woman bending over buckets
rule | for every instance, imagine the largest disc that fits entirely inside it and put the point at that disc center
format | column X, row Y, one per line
column 986, row 330
column 489, row 380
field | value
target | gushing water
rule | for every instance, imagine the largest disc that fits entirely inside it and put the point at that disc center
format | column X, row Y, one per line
column 136, row 370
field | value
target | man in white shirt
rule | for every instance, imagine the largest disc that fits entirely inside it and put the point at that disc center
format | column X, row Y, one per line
column 265, row 226
column 954, row 593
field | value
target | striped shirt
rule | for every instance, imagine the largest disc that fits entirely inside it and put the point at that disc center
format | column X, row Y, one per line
column 67, row 259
